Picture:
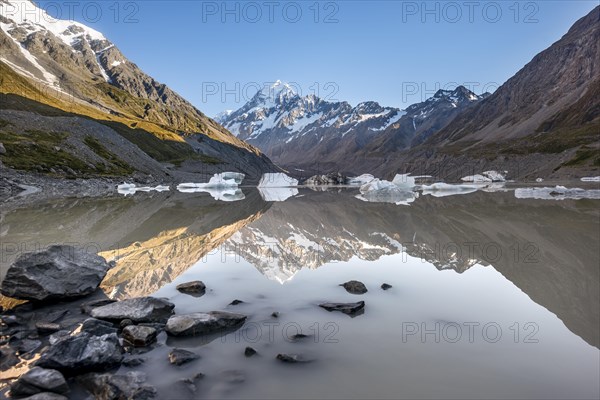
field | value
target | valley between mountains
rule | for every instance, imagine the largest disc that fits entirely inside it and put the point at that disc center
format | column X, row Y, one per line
column 73, row 106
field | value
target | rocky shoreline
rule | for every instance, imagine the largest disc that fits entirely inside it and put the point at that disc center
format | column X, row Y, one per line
column 70, row 339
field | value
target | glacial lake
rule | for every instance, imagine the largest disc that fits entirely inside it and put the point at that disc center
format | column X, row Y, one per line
column 492, row 296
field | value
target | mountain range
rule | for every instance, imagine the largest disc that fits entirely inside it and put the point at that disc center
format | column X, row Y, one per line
column 308, row 132
column 544, row 121
column 56, row 68
column 73, row 106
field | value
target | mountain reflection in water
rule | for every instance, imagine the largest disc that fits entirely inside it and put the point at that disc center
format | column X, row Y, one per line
column 549, row 250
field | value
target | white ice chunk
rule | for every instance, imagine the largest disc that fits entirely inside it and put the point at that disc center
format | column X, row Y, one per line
column 222, row 180
column 590, row 179
column 361, row 179
column 539, row 180
column 404, row 181
column 495, row 176
column 131, row 189
column 275, row 180
column 277, row 194
column 217, row 193
column 444, row 189
column 389, row 195
column 375, row 185
column 556, row 193
column 476, row 178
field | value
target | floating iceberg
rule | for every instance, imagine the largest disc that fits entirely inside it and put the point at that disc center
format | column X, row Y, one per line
column 222, row 180
column 487, row 176
column 277, row 194
column 389, row 195
column 277, row 180
column 476, row 179
column 217, row 193
column 130, row 189
column 380, row 191
column 445, row 189
column 377, row 185
column 405, row 181
column 538, row 180
column 590, row 179
column 556, row 193
column 360, row 180
column 495, row 176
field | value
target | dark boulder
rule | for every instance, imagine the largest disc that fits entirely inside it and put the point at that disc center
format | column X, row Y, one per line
column 57, row 273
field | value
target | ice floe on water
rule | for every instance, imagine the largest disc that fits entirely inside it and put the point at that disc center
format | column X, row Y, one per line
column 361, row 179
column 556, row 193
column 277, row 194
column 441, row 189
column 223, row 193
column 487, row 176
column 130, row 189
column 400, row 191
column 222, row 180
column 222, row 186
column 277, row 180
column 590, row 179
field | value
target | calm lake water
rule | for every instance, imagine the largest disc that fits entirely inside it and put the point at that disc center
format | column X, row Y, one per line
column 492, row 296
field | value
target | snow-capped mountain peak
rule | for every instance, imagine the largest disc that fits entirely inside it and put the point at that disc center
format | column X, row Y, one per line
column 289, row 128
column 25, row 14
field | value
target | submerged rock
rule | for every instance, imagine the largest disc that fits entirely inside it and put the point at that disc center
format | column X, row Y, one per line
column 140, row 309
column 293, row 358
column 386, row 286
column 139, row 336
column 83, row 352
column 203, row 323
column 346, row 308
column 39, row 380
column 180, row 356
column 194, row 287
column 131, row 385
column 355, row 287
column 249, row 351
column 57, row 273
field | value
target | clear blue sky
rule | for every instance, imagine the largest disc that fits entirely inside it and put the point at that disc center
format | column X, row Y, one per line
column 393, row 52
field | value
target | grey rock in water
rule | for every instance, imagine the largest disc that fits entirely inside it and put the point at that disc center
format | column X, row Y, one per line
column 329, row 179
column 98, row 327
column 236, row 302
column 194, row 287
column 180, row 356
column 139, row 336
column 249, row 351
column 386, row 286
column 203, row 323
column 131, row 385
column 57, row 273
column 346, row 308
column 39, row 380
column 355, row 287
column 293, row 358
column 140, row 309
column 83, row 352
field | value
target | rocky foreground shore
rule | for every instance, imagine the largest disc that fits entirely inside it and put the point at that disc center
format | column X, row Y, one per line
column 70, row 337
